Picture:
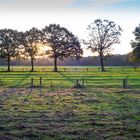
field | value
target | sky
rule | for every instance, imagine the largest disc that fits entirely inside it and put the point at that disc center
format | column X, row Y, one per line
column 75, row 15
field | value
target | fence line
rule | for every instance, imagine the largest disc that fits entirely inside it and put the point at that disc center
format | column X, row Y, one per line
column 61, row 82
column 74, row 69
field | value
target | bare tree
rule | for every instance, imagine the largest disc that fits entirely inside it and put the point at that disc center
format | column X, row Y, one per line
column 62, row 43
column 102, row 35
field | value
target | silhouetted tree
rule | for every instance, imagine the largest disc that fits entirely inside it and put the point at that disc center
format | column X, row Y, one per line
column 102, row 35
column 136, row 45
column 9, row 45
column 62, row 43
column 132, row 59
column 31, row 41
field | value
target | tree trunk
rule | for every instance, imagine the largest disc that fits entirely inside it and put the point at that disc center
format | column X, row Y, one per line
column 102, row 63
column 55, row 65
column 8, row 63
column 32, row 64
column 135, row 67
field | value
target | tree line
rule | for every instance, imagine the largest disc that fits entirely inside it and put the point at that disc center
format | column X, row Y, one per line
column 59, row 43
column 112, row 60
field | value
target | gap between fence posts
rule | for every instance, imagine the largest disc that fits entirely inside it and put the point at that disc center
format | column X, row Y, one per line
column 122, row 68
column 51, row 86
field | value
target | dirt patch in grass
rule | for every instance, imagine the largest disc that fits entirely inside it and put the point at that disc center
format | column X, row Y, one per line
column 93, row 113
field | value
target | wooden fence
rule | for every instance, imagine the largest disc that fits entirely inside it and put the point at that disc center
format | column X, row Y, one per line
column 41, row 82
column 72, row 69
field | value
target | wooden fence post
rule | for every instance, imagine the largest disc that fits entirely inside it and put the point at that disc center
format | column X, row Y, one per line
column 83, row 81
column 32, row 82
column 40, row 82
column 77, row 83
column 125, row 83
column 40, row 85
column 0, row 80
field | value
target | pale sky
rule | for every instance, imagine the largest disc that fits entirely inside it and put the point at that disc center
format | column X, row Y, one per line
column 75, row 15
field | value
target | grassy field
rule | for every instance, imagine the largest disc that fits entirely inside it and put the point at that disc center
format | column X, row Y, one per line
column 70, row 68
column 70, row 114
column 102, row 110
column 67, row 77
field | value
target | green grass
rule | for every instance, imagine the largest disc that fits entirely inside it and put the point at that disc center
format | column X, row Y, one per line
column 70, row 68
column 60, row 112
column 111, row 78
column 70, row 114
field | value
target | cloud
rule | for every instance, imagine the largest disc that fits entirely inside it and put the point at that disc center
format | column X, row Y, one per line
column 94, row 3
column 47, row 3
column 35, row 5
column 103, row 1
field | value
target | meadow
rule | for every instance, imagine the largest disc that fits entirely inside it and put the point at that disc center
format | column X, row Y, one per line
column 70, row 114
column 68, row 76
column 102, row 109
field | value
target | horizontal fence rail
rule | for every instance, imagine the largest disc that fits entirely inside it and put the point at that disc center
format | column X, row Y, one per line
column 70, row 77
column 68, row 69
column 39, row 82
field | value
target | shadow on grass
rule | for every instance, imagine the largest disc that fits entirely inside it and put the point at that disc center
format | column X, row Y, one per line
column 67, row 78
column 20, row 81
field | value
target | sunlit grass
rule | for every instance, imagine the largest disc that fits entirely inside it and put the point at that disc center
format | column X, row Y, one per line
column 68, row 78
